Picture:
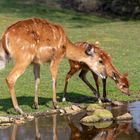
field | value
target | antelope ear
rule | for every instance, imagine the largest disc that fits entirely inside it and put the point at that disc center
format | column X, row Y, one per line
column 125, row 74
column 97, row 43
column 89, row 50
column 115, row 76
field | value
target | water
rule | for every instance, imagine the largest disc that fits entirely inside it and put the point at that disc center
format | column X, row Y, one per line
column 68, row 128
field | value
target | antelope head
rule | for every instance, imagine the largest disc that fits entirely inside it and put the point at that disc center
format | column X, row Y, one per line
column 122, row 82
column 95, row 61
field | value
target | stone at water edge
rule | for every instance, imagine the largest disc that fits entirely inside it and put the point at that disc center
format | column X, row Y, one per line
column 103, row 114
column 103, row 124
column 30, row 117
column 20, row 121
column 6, row 120
column 5, row 125
column 68, row 110
column 117, row 103
column 90, row 119
column 98, row 115
column 75, row 108
column 126, row 116
column 82, row 106
column 93, row 107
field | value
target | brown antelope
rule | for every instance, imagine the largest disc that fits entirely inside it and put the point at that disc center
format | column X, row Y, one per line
column 120, row 79
column 36, row 41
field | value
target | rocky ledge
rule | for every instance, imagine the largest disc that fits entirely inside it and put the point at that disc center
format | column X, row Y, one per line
column 95, row 113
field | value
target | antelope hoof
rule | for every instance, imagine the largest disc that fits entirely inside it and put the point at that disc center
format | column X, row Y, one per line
column 55, row 105
column 63, row 99
column 100, row 101
column 35, row 105
column 106, row 100
column 19, row 110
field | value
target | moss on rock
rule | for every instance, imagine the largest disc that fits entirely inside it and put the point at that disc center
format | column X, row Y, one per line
column 90, row 119
column 93, row 107
column 104, row 124
column 98, row 115
column 103, row 114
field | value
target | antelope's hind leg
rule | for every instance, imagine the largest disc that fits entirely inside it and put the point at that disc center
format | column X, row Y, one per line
column 16, row 72
column 36, row 69
column 71, row 72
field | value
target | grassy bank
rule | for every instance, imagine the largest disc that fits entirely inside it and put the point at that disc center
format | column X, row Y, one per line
column 120, row 38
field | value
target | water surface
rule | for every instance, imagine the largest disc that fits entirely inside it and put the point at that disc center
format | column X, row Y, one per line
column 68, row 128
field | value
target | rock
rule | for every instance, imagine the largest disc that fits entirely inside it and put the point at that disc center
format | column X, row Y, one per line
column 30, row 117
column 5, row 125
column 6, row 120
column 68, row 110
column 90, row 119
column 126, row 116
column 93, row 107
column 98, row 115
column 104, row 124
column 117, row 103
column 62, row 111
column 75, row 108
column 82, row 106
column 103, row 114
column 19, row 121
column 53, row 111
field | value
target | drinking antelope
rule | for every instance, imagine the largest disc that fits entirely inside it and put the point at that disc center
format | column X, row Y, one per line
column 36, row 41
column 120, row 79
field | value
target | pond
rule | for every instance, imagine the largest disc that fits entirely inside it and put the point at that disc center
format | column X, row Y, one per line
column 57, row 127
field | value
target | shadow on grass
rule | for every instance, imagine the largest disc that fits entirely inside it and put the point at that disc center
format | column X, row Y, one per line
column 77, row 98
column 6, row 104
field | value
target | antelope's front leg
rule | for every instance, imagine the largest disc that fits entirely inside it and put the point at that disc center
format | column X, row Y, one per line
column 54, row 70
column 104, row 91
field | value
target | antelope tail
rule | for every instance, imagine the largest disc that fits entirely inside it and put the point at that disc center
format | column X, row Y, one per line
column 4, row 56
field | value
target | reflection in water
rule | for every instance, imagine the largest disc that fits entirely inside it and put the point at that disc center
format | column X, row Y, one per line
column 38, row 136
column 55, row 134
column 14, row 132
column 136, row 114
column 68, row 128
column 90, row 133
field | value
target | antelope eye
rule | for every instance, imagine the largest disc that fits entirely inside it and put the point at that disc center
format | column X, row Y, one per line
column 100, row 61
column 124, row 86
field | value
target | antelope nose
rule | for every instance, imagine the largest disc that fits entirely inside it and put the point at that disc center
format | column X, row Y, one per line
column 129, row 94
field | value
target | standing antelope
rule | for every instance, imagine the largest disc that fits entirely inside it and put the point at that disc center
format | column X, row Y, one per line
column 120, row 79
column 36, row 41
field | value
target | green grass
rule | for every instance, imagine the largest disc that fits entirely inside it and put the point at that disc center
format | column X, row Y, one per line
column 118, row 37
